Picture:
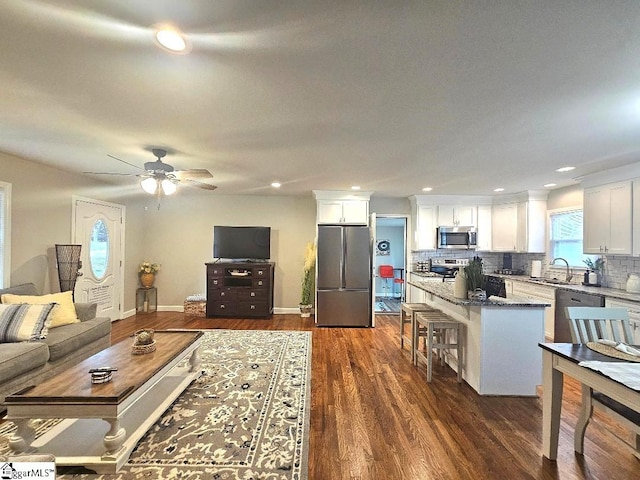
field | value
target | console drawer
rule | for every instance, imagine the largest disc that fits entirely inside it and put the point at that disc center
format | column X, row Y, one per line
column 250, row 295
column 251, row 309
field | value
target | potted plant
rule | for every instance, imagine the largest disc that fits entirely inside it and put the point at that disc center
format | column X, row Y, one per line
column 597, row 267
column 308, row 281
column 476, row 280
column 147, row 272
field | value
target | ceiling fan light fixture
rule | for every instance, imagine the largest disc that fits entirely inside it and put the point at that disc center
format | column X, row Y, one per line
column 172, row 39
column 149, row 185
column 168, row 187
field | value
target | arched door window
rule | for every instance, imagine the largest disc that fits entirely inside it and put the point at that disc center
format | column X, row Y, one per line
column 99, row 249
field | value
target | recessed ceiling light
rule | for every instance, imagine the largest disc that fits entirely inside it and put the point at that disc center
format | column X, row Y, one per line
column 549, row 185
column 172, row 39
column 565, row 169
column 427, row 189
column 498, row 189
column 276, row 184
column 355, row 187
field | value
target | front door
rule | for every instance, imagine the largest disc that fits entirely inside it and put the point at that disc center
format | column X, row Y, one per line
column 98, row 227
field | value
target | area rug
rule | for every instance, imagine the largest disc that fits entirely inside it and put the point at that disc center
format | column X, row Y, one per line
column 382, row 307
column 246, row 417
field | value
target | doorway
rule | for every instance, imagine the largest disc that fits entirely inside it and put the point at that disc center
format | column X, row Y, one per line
column 99, row 227
column 390, row 250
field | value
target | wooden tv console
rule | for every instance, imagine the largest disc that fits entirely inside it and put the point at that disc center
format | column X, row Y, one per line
column 240, row 289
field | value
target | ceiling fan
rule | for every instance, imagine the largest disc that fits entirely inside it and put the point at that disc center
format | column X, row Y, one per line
column 159, row 178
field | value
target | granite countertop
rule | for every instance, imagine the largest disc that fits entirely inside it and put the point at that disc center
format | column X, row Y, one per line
column 604, row 291
column 444, row 290
column 426, row 274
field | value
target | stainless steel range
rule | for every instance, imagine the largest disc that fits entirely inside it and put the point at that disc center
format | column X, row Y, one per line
column 447, row 267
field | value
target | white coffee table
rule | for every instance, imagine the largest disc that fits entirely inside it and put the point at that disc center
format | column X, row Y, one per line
column 104, row 422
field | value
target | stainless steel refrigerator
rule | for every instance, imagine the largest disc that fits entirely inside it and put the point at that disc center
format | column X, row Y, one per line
column 344, row 276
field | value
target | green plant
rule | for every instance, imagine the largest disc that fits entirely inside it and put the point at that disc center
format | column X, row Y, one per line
column 474, row 275
column 596, row 266
column 309, row 275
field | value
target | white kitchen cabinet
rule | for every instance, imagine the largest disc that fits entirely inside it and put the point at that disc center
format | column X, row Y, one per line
column 457, row 215
column 336, row 207
column 504, row 227
column 532, row 226
column 634, row 314
column 519, row 226
column 483, row 237
column 343, row 211
column 607, row 219
column 426, row 227
column 542, row 293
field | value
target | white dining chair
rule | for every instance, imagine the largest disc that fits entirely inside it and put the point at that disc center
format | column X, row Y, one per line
column 588, row 324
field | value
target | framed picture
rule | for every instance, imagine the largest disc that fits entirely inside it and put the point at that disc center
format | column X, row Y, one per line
column 383, row 247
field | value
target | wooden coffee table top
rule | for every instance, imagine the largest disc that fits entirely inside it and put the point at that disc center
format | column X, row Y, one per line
column 74, row 384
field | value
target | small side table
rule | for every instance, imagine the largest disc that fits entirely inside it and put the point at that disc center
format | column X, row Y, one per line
column 146, row 300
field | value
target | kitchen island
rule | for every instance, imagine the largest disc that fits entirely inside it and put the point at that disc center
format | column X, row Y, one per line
column 500, row 339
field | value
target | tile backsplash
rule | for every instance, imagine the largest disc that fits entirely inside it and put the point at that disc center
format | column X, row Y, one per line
column 616, row 270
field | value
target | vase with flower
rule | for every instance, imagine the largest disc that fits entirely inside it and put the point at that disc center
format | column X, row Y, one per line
column 147, row 273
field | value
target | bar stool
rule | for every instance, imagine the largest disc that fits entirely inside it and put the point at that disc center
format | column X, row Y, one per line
column 400, row 282
column 407, row 315
column 435, row 328
column 386, row 273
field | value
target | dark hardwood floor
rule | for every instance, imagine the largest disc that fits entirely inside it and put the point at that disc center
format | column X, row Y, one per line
column 374, row 416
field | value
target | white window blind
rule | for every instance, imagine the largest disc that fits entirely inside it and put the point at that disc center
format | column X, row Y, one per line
column 566, row 237
column 5, row 233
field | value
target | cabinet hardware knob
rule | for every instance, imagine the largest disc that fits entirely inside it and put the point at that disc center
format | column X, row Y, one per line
column 253, row 294
column 253, row 307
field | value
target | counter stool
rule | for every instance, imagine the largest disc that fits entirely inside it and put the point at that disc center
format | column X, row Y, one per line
column 407, row 315
column 434, row 329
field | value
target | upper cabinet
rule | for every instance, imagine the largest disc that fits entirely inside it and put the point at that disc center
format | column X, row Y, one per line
column 457, row 215
column 519, row 223
column 335, row 207
column 484, row 234
column 426, row 227
column 608, row 219
column 431, row 211
column 504, row 227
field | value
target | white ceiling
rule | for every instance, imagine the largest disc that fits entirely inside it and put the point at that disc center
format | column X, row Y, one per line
column 462, row 96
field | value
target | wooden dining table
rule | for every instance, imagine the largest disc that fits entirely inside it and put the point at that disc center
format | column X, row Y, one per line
column 559, row 359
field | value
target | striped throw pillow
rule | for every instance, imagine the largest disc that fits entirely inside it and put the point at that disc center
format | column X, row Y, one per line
column 24, row 322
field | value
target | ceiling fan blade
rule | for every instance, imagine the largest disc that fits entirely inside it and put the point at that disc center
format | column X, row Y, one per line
column 125, row 162
column 195, row 183
column 110, row 173
column 193, row 173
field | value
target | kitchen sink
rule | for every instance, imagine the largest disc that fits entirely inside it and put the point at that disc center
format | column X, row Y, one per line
column 552, row 281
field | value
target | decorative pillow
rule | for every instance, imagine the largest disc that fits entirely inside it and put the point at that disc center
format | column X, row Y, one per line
column 64, row 315
column 25, row 323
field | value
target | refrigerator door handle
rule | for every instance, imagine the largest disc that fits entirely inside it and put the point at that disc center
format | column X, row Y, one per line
column 343, row 259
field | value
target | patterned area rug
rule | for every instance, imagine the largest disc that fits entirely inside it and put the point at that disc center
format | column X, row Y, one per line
column 246, row 417
column 382, row 307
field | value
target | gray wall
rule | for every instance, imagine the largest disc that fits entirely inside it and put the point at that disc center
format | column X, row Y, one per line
column 41, row 210
column 178, row 236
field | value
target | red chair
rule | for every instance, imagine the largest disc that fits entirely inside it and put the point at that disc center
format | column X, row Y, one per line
column 386, row 273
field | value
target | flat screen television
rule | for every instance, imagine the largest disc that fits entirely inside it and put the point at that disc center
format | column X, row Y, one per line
column 242, row 243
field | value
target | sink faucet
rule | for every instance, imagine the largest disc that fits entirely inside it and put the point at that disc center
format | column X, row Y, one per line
column 568, row 276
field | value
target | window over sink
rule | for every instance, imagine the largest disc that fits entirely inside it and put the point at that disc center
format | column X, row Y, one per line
column 565, row 231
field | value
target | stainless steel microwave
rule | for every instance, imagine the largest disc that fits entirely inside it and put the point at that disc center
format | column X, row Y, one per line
column 457, row 238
